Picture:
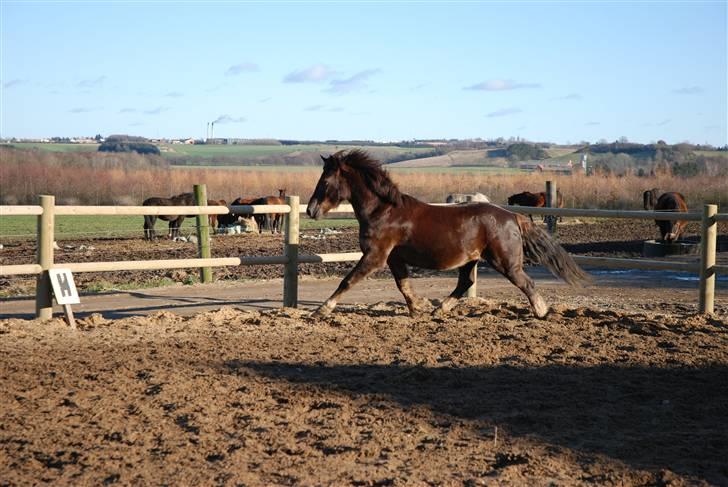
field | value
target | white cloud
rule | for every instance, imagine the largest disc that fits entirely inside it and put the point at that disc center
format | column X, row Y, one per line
column 688, row 90
column 312, row 74
column 356, row 82
column 501, row 85
column 156, row 111
column 91, row 83
column 241, row 68
column 14, row 82
column 505, row 112
column 570, row 96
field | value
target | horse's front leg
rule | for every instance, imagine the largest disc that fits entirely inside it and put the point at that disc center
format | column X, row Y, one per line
column 415, row 304
column 370, row 262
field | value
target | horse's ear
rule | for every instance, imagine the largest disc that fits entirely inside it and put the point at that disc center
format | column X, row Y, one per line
column 324, row 158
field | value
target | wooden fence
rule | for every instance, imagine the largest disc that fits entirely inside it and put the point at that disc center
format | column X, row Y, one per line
column 46, row 212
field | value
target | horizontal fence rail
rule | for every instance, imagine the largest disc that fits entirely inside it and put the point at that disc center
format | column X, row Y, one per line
column 639, row 215
column 20, row 210
column 47, row 211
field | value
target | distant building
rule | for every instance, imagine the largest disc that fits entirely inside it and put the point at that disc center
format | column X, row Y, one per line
column 567, row 168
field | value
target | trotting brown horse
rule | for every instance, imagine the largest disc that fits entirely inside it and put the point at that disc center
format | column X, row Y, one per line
column 399, row 230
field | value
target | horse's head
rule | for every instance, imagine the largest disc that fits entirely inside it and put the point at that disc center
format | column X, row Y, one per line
column 510, row 200
column 281, row 192
column 331, row 188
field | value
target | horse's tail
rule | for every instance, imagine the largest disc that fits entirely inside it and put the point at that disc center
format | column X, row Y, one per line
column 540, row 247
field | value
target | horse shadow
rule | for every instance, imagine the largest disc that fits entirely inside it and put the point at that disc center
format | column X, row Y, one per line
column 650, row 418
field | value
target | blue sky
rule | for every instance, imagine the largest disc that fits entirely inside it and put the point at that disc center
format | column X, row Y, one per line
column 545, row 71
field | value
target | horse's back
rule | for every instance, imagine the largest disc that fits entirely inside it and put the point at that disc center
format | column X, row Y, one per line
column 527, row 198
column 671, row 201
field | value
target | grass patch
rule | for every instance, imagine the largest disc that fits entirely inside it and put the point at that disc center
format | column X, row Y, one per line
column 75, row 227
column 56, row 147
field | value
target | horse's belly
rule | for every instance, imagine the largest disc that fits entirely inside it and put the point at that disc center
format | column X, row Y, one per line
column 435, row 260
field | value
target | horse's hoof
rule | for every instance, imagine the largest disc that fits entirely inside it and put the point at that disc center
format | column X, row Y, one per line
column 540, row 308
column 439, row 312
column 321, row 312
column 416, row 313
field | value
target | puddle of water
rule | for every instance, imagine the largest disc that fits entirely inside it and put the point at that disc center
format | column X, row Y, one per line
column 653, row 275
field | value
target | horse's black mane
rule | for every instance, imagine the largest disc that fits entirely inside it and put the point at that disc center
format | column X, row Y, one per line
column 374, row 176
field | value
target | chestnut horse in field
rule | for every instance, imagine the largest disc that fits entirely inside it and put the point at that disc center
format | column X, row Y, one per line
column 274, row 221
column 214, row 220
column 671, row 230
column 536, row 200
column 399, row 230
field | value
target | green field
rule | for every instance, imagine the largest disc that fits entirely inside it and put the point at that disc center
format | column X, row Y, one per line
column 263, row 168
column 74, row 227
column 56, row 147
column 393, row 169
column 456, row 169
column 245, row 150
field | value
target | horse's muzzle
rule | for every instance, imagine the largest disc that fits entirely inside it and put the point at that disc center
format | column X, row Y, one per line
column 313, row 210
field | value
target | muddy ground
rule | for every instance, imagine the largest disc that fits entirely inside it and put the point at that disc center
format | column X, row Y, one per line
column 612, row 238
column 369, row 396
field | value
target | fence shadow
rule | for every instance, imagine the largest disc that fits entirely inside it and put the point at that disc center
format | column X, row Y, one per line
column 649, row 418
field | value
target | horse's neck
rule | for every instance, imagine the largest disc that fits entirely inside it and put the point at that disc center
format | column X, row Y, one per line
column 365, row 203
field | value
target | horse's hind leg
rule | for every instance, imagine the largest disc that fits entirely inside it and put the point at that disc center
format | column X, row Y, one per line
column 512, row 268
column 415, row 304
column 149, row 221
column 464, row 283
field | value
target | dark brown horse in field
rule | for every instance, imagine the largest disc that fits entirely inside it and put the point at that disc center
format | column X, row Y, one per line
column 175, row 221
column 232, row 217
column 649, row 199
column 399, row 230
column 274, row 221
column 536, row 200
column 671, row 230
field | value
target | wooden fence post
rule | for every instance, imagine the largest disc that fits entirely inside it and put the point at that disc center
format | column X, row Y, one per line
column 551, row 202
column 203, row 232
column 290, row 251
column 46, row 239
column 708, row 236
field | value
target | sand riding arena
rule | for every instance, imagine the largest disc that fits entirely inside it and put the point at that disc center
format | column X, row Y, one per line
column 620, row 385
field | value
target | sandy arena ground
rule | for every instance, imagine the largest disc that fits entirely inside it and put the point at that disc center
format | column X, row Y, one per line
column 622, row 384
column 599, row 393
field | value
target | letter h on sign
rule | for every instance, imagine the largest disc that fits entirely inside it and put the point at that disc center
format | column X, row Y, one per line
column 64, row 289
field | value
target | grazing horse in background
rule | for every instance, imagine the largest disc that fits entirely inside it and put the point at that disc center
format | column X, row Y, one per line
column 671, row 230
column 467, row 198
column 536, row 200
column 175, row 221
column 232, row 217
column 215, row 220
column 399, row 230
column 274, row 221
column 649, row 198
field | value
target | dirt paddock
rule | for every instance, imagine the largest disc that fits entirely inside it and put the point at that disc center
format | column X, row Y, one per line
column 370, row 396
